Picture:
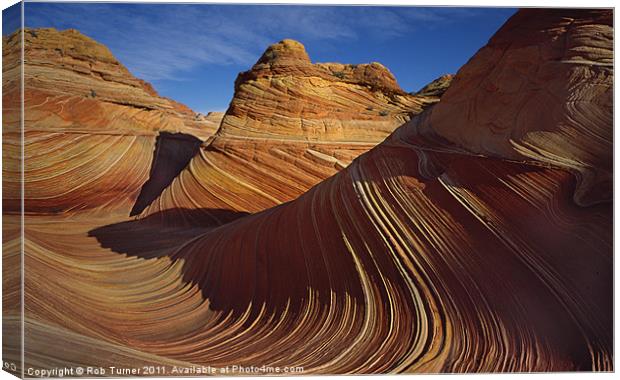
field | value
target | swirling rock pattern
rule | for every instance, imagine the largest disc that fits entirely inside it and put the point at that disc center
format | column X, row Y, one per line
column 90, row 130
column 89, row 127
column 439, row 250
column 540, row 90
column 253, row 175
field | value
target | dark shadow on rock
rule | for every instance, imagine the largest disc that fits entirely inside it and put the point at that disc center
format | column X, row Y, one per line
column 233, row 269
column 160, row 234
column 173, row 151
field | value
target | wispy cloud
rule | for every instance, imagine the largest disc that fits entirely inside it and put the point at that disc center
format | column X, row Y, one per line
column 159, row 42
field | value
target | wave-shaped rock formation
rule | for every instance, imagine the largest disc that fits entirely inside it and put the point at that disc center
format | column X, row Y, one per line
column 90, row 126
column 446, row 248
column 290, row 125
column 539, row 93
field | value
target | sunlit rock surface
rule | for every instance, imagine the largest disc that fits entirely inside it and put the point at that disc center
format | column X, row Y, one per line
column 290, row 125
column 284, row 96
column 437, row 87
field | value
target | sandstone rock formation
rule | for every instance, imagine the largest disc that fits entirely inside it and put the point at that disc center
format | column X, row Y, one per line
column 540, row 91
column 437, row 87
column 101, row 144
column 290, row 125
column 428, row 244
column 432, row 253
column 215, row 118
column 285, row 96
column 90, row 126
column 446, row 248
column 90, row 132
column 96, row 92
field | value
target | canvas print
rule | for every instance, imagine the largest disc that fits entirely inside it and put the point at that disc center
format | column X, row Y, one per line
column 220, row 189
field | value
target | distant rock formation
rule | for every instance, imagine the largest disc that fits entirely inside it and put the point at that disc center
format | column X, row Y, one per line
column 437, row 87
column 477, row 237
column 74, row 74
column 215, row 118
column 285, row 96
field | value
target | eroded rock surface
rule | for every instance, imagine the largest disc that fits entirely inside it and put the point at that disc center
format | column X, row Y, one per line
column 440, row 250
column 285, row 96
column 90, row 126
column 437, row 87
column 541, row 91
column 290, row 125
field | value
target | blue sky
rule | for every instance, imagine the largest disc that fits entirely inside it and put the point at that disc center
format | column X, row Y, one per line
column 11, row 19
column 193, row 52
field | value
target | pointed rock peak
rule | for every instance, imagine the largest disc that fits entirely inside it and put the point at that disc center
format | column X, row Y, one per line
column 285, row 52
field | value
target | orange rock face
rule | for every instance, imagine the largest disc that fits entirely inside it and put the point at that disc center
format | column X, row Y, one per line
column 75, row 84
column 90, row 126
column 290, row 125
column 540, row 91
column 284, row 96
column 448, row 247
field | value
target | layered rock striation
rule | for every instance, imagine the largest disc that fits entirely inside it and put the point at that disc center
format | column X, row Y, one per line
column 74, row 84
column 290, row 125
column 285, row 96
column 539, row 91
column 423, row 255
column 436, row 253
column 90, row 126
